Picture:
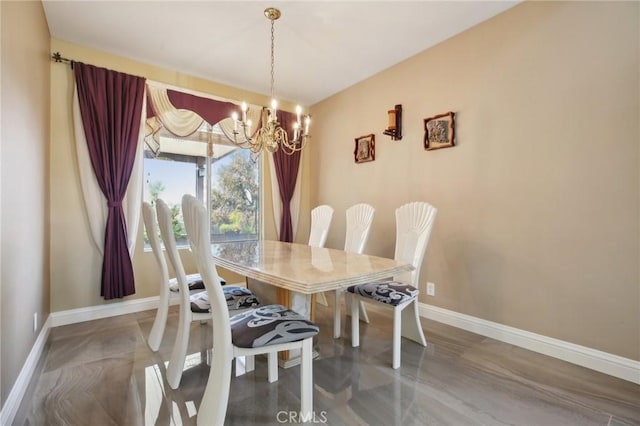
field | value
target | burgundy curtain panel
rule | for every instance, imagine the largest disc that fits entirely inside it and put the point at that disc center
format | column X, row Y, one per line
column 287, row 172
column 110, row 106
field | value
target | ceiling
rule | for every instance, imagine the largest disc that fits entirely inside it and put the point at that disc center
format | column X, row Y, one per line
column 321, row 47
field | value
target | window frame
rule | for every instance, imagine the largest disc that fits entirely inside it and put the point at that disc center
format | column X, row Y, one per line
column 204, row 193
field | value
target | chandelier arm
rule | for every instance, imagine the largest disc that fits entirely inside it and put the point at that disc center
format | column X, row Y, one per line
column 294, row 146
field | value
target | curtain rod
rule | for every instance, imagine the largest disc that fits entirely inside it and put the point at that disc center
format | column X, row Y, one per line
column 56, row 57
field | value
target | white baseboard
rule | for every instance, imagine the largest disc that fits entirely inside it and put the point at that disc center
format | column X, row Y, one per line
column 11, row 405
column 73, row 316
column 613, row 365
column 57, row 319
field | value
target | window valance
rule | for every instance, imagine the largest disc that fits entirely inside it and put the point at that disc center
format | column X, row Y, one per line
column 183, row 114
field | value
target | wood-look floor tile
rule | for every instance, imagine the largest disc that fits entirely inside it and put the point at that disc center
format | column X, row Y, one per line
column 103, row 373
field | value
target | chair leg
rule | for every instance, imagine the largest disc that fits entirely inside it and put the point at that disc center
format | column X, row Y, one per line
column 363, row 312
column 397, row 322
column 240, row 370
column 355, row 322
column 411, row 327
column 336, row 314
column 213, row 408
column 244, row 364
column 250, row 363
column 179, row 352
column 364, row 317
column 160, row 322
column 272, row 361
column 306, row 379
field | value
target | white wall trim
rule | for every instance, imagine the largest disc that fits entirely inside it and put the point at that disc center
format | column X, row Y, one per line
column 56, row 319
column 73, row 316
column 613, row 365
column 10, row 408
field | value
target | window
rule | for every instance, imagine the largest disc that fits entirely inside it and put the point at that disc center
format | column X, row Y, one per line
column 218, row 173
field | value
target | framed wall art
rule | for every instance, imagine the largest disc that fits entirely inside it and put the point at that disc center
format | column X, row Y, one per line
column 365, row 149
column 439, row 131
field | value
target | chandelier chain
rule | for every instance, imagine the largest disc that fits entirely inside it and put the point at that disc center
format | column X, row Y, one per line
column 272, row 61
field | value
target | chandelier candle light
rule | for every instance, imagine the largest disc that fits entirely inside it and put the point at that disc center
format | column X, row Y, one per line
column 271, row 136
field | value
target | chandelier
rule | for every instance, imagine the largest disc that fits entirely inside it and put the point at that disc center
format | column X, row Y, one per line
column 271, row 136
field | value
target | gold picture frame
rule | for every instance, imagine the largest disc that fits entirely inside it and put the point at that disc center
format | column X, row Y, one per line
column 439, row 131
column 365, row 149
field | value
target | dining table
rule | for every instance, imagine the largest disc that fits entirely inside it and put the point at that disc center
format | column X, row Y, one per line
column 300, row 271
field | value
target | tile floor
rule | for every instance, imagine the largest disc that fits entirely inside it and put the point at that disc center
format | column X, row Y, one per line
column 103, row 373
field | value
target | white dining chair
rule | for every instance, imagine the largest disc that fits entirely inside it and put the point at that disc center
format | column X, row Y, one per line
column 359, row 220
column 414, row 222
column 320, row 223
column 321, row 217
column 193, row 307
column 168, row 286
column 263, row 330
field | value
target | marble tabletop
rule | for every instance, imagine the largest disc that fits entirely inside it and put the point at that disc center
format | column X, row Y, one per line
column 301, row 268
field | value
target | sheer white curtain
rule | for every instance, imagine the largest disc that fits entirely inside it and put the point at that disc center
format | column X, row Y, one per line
column 94, row 200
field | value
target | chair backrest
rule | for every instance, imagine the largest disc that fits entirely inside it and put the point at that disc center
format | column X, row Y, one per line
column 168, row 237
column 197, row 226
column 320, row 222
column 359, row 220
column 414, row 222
column 150, row 225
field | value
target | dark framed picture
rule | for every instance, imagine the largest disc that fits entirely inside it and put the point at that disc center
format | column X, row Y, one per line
column 439, row 131
column 365, row 149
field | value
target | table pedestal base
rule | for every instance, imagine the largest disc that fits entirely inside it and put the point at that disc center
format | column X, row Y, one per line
column 303, row 304
column 294, row 359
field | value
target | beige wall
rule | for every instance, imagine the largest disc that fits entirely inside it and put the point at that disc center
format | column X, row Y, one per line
column 75, row 262
column 24, row 168
column 538, row 222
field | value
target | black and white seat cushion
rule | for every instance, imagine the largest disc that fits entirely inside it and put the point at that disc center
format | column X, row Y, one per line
column 194, row 280
column 237, row 298
column 270, row 325
column 390, row 292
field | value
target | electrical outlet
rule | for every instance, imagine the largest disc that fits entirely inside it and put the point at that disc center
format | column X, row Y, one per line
column 35, row 322
column 431, row 289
